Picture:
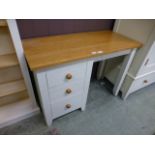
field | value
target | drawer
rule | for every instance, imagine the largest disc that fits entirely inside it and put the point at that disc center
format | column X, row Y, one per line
column 147, row 69
column 66, row 74
column 66, row 90
column 143, row 82
column 65, row 106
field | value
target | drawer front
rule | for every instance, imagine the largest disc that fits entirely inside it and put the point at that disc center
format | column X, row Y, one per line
column 66, row 74
column 66, row 90
column 149, row 65
column 143, row 82
column 147, row 69
column 65, row 106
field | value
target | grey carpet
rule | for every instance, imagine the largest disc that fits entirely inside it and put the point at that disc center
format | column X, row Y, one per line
column 105, row 114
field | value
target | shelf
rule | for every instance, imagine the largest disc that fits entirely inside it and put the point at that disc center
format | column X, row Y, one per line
column 6, row 46
column 13, row 98
column 3, row 22
column 10, row 74
column 8, row 60
column 17, row 111
column 12, row 88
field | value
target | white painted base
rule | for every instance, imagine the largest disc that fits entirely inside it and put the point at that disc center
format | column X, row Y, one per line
column 16, row 112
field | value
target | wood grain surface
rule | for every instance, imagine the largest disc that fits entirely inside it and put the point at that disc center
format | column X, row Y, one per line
column 55, row 50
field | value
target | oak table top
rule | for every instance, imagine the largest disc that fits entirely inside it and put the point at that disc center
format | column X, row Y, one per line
column 50, row 51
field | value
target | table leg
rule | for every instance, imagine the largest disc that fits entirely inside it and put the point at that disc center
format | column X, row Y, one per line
column 100, row 70
column 123, row 71
column 87, row 83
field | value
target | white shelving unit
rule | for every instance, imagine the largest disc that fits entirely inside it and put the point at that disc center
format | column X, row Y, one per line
column 17, row 100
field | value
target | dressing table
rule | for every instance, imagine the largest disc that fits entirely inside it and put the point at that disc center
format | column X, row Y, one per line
column 62, row 67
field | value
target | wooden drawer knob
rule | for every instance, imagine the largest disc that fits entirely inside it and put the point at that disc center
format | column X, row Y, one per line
column 69, row 76
column 68, row 91
column 145, row 81
column 68, row 106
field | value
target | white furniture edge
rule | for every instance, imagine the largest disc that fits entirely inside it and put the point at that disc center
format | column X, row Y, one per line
column 41, row 84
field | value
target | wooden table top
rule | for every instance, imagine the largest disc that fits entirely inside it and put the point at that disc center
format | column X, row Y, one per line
column 55, row 50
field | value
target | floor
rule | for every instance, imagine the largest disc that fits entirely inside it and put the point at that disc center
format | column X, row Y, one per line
column 105, row 115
